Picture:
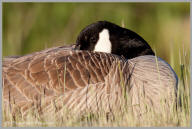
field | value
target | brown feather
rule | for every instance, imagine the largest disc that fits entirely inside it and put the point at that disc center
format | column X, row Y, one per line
column 83, row 80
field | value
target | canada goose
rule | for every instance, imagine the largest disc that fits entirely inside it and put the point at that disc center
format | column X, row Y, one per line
column 87, row 80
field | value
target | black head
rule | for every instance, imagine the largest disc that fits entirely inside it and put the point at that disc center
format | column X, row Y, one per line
column 107, row 37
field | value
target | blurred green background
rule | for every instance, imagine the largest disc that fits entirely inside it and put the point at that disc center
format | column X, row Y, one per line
column 30, row 27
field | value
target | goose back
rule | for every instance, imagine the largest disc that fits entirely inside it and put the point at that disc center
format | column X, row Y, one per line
column 85, row 80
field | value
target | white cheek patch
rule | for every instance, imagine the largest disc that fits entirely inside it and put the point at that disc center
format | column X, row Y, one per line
column 103, row 44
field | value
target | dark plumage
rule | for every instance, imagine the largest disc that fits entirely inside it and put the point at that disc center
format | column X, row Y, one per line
column 124, row 42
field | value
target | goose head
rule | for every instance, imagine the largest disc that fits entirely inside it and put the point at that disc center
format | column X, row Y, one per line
column 104, row 36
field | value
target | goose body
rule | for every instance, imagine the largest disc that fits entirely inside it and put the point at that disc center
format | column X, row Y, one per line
column 83, row 80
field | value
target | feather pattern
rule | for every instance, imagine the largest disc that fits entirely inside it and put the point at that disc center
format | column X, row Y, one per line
column 85, row 80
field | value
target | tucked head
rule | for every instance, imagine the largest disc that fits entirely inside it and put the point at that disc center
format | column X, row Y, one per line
column 104, row 36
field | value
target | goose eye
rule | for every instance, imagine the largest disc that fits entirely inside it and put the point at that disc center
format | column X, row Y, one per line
column 93, row 39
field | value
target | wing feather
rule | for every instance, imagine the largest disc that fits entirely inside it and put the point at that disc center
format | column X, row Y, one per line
column 83, row 80
column 52, row 73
